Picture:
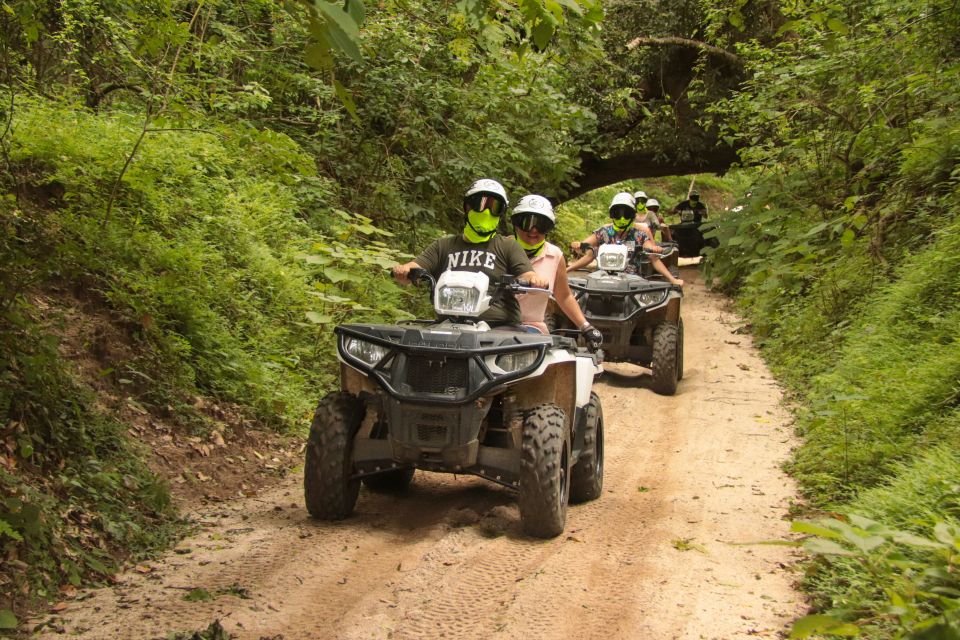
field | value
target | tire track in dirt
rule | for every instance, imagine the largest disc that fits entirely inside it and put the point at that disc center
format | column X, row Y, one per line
column 660, row 555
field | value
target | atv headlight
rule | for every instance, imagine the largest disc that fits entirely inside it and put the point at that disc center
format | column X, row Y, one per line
column 511, row 362
column 365, row 351
column 457, row 300
column 461, row 293
column 650, row 298
column 612, row 262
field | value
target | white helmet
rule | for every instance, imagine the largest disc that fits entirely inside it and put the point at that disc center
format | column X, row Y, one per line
column 535, row 204
column 640, row 196
column 623, row 198
column 486, row 185
column 653, row 202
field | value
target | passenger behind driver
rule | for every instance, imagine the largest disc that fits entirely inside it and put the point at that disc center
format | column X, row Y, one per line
column 533, row 219
column 623, row 230
column 653, row 219
column 478, row 248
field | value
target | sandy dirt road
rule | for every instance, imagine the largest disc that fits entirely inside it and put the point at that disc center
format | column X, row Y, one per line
column 689, row 480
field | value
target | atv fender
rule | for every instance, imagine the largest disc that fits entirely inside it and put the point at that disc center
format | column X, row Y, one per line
column 673, row 307
column 355, row 382
column 557, row 385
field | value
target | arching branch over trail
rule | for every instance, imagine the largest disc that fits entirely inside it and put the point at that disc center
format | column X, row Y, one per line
column 686, row 42
column 600, row 172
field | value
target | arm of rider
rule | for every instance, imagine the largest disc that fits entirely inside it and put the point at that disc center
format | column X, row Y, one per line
column 401, row 272
column 651, row 246
column 589, row 246
column 571, row 308
column 664, row 271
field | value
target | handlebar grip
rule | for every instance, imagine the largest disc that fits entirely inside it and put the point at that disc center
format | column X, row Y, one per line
column 416, row 275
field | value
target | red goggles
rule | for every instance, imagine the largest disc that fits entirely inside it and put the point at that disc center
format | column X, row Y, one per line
column 480, row 201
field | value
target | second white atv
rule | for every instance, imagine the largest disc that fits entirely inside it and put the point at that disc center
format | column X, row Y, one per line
column 455, row 396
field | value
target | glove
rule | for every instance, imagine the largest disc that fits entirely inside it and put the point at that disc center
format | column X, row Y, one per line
column 592, row 335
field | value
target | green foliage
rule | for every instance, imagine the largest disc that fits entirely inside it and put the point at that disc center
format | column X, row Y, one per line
column 190, row 176
column 913, row 585
column 202, row 267
column 844, row 257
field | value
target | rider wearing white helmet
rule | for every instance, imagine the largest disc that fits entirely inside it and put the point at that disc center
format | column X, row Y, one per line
column 624, row 229
column 478, row 248
column 533, row 218
column 653, row 219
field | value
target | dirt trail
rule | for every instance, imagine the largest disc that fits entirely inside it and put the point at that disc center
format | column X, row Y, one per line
column 688, row 480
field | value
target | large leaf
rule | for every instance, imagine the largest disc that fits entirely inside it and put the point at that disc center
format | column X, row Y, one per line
column 339, row 27
column 7, row 619
column 823, row 547
column 319, row 318
column 347, row 100
column 802, row 526
column 820, row 624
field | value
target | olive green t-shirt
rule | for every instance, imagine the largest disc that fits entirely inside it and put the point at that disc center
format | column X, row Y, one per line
column 498, row 256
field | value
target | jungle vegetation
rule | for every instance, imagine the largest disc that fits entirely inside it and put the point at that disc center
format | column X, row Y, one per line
column 193, row 193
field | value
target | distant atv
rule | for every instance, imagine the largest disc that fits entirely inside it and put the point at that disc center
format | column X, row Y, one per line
column 638, row 317
column 455, row 396
column 688, row 234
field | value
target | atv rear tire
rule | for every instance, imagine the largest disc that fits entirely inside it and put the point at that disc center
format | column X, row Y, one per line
column 395, row 481
column 664, row 364
column 680, row 351
column 329, row 491
column 586, row 478
column 544, row 472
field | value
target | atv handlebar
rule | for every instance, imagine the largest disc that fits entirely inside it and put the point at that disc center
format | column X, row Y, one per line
column 417, row 275
column 517, row 285
column 673, row 250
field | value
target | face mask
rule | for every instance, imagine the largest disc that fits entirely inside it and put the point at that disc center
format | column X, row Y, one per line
column 481, row 225
column 621, row 223
column 531, row 249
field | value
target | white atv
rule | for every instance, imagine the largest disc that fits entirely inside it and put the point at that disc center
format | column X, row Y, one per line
column 453, row 395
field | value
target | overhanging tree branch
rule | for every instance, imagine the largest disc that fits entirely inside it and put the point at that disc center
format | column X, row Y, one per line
column 596, row 172
column 686, row 42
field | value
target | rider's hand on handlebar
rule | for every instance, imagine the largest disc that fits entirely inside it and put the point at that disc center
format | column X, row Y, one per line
column 401, row 272
column 592, row 335
column 538, row 282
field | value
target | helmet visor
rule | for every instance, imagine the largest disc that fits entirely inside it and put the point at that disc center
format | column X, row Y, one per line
column 622, row 211
column 481, row 201
column 531, row 221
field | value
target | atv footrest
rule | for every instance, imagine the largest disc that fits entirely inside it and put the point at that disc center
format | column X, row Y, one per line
column 499, row 465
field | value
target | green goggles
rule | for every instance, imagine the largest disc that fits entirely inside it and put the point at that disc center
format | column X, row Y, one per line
column 481, row 201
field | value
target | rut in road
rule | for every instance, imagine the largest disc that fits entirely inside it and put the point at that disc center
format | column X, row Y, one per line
column 690, row 481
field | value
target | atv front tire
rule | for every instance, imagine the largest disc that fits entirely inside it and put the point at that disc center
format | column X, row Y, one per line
column 586, row 478
column 664, row 364
column 395, row 481
column 544, row 472
column 329, row 491
column 680, row 351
